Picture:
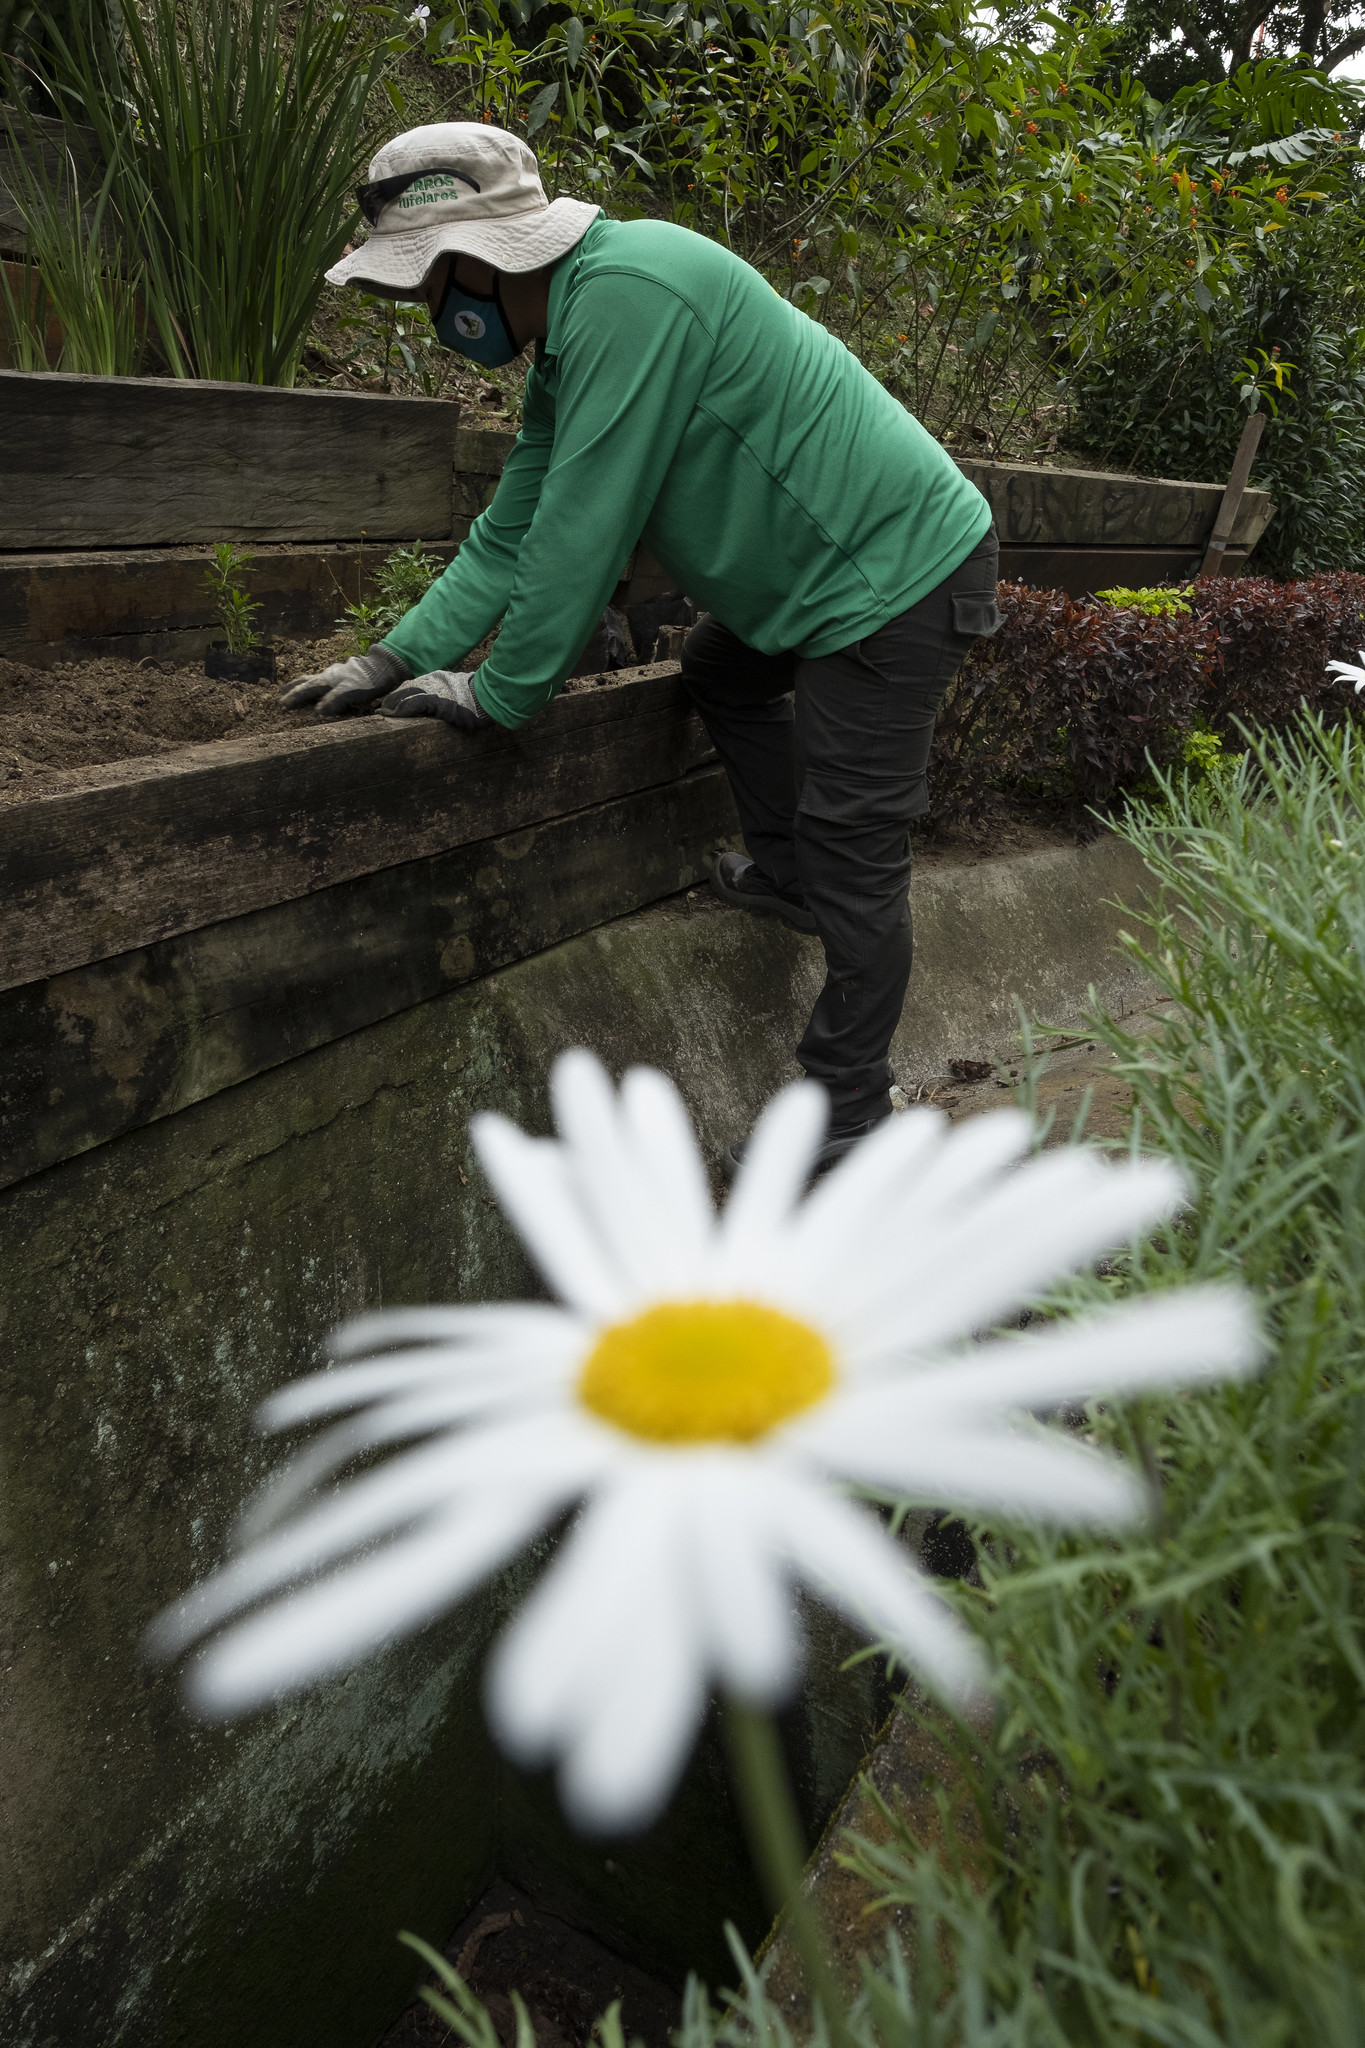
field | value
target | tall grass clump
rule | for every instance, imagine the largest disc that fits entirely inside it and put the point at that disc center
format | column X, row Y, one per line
column 232, row 149
column 77, row 268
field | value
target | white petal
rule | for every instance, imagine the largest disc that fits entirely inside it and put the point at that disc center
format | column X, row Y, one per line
column 880, row 1438
column 615, row 1195
column 383, row 1329
column 905, row 1229
column 619, row 1770
column 832, row 1222
column 1050, row 1217
column 526, row 1350
column 329, row 1625
column 532, row 1180
column 973, row 1153
column 544, row 1678
column 551, row 1453
column 1189, row 1337
column 666, row 1147
column 412, row 1413
column 777, row 1161
column 845, row 1555
column 747, row 1613
column 633, row 1208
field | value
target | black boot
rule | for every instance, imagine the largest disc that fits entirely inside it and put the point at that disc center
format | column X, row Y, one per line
column 838, row 1144
column 739, row 883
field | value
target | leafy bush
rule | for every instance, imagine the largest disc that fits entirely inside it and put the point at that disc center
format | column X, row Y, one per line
column 1073, row 700
column 1163, row 396
column 1154, row 602
column 967, row 212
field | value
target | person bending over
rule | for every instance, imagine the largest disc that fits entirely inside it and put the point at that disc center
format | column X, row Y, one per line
column 676, row 401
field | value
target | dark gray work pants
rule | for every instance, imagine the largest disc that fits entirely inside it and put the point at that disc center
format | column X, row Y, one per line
column 826, row 759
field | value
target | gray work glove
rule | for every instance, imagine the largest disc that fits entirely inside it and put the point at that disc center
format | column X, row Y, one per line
column 348, row 685
column 445, row 693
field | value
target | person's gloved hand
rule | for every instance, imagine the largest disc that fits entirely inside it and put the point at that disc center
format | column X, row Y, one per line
column 348, row 685
column 445, row 693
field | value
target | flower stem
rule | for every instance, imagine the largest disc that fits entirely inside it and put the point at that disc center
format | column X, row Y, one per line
column 775, row 1842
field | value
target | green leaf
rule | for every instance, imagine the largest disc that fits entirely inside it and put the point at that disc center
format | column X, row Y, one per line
column 573, row 40
column 540, row 108
column 985, row 328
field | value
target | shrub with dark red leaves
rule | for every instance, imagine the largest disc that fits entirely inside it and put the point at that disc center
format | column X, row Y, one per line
column 1070, row 703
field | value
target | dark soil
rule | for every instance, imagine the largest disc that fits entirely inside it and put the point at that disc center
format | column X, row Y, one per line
column 566, row 1977
column 58, row 723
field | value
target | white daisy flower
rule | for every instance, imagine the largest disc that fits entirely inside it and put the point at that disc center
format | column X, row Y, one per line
column 709, row 1387
column 1349, row 672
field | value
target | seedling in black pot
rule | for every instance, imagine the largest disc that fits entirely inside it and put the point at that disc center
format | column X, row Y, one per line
column 239, row 657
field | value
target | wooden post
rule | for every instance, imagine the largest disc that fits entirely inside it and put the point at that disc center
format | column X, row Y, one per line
column 1232, row 496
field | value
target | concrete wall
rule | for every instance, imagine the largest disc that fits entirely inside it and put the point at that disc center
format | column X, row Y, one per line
column 163, row 1884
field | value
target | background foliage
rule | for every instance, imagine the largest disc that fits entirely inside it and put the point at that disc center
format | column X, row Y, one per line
column 972, row 215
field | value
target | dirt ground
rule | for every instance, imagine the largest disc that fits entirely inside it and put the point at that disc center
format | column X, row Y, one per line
column 58, row 723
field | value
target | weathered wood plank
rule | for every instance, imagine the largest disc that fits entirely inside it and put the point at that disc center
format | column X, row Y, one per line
column 1033, row 505
column 167, row 843
column 482, row 451
column 1081, row 571
column 107, row 1048
column 151, row 461
column 1089, row 508
column 67, row 607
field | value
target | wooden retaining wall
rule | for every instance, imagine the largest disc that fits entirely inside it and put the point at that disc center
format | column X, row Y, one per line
column 196, row 918
column 113, row 489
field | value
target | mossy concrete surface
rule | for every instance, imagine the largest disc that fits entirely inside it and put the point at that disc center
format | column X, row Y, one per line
column 165, row 1883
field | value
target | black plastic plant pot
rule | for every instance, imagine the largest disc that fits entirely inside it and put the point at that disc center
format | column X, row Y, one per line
column 257, row 667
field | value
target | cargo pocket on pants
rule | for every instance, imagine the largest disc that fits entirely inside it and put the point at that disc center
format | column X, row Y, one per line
column 870, row 802
column 976, row 615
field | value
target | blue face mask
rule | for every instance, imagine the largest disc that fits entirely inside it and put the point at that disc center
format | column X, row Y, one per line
column 475, row 326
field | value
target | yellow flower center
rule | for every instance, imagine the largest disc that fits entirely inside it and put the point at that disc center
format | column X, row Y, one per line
column 705, row 1372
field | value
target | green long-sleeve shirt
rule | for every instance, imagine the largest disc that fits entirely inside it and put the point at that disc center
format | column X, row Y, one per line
column 679, row 402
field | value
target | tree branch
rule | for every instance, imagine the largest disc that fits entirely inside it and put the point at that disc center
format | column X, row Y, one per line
column 1347, row 47
column 1312, row 23
column 1200, row 43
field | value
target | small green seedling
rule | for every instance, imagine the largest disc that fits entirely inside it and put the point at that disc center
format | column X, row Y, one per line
column 404, row 576
column 235, row 608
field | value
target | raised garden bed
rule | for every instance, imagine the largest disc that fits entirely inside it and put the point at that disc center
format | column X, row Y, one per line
column 165, row 915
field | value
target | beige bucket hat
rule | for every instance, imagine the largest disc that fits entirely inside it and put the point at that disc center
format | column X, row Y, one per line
column 456, row 187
